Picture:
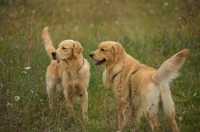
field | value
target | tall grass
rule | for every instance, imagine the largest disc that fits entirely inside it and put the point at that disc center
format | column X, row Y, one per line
column 150, row 31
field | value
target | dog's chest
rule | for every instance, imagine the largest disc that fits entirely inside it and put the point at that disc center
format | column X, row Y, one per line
column 70, row 76
column 73, row 88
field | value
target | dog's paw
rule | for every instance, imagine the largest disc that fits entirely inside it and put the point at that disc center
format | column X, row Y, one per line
column 71, row 116
column 85, row 117
column 119, row 130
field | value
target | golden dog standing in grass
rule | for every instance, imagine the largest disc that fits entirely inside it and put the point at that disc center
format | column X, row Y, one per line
column 68, row 70
column 136, row 85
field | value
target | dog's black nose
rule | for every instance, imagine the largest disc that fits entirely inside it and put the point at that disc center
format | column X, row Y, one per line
column 53, row 55
column 91, row 55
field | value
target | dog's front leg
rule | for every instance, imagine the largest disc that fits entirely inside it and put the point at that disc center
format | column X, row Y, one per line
column 51, row 89
column 120, row 118
column 68, row 99
column 124, row 113
column 84, row 103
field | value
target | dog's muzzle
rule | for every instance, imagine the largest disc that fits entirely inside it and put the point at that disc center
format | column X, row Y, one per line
column 54, row 55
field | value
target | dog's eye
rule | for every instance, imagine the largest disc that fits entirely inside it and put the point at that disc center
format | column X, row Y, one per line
column 63, row 48
column 102, row 49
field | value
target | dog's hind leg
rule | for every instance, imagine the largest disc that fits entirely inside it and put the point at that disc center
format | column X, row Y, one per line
column 168, row 106
column 173, row 122
column 135, row 118
column 150, row 98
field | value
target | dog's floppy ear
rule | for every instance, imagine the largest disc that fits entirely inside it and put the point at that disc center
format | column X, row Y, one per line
column 77, row 49
column 118, row 50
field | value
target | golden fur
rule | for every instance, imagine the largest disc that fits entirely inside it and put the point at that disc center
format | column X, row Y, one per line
column 138, row 86
column 68, row 70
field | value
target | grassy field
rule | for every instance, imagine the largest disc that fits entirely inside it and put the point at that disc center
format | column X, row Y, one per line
column 150, row 31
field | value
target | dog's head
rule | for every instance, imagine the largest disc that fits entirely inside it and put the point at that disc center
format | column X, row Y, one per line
column 107, row 53
column 67, row 49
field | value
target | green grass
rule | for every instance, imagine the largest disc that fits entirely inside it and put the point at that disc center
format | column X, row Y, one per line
column 150, row 31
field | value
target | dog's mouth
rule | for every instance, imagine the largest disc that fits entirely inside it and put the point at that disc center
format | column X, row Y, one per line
column 97, row 63
column 58, row 60
column 54, row 57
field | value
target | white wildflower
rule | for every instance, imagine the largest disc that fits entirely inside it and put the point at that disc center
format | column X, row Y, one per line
column 76, row 28
column 91, row 25
column 17, row 98
column 107, row 1
column 8, row 104
column 27, row 68
column 68, row 10
column 151, row 11
column 165, row 4
column 195, row 94
column 24, row 72
column 180, row 118
column 31, row 91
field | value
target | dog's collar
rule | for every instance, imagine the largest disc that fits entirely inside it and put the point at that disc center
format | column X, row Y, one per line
column 113, row 77
column 134, row 71
column 78, row 69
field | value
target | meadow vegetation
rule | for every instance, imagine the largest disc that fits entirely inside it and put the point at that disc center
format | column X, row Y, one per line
column 150, row 31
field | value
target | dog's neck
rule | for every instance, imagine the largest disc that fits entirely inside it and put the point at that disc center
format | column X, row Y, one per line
column 117, row 65
column 113, row 70
column 74, row 63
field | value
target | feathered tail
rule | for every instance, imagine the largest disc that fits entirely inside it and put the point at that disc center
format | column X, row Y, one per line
column 169, row 69
column 47, row 42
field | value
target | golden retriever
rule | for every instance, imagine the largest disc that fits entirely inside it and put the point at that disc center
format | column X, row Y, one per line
column 68, row 70
column 138, row 86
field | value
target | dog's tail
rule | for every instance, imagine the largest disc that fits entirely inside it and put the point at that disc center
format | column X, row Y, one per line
column 47, row 42
column 169, row 69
